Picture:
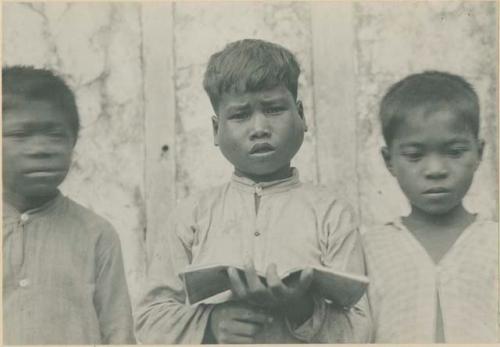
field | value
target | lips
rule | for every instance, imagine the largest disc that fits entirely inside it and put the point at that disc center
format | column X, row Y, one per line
column 437, row 191
column 43, row 172
column 261, row 148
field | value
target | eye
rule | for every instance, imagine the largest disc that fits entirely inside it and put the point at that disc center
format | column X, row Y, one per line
column 16, row 134
column 413, row 155
column 456, row 152
column 238, row 115
column 274, row 110
column 57, row 134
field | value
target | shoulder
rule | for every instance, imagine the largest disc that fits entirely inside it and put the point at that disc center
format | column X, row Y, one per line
column 333, row 214
column 199, row 203
column 323, row 196
column 379, row 236
column 486, row 233
column 89, row 222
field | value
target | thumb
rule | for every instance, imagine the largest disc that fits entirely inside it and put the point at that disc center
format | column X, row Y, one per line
column 305, row 279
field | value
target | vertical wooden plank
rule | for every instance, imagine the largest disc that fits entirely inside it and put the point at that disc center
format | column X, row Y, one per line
column 159, row 108
column 333, row 56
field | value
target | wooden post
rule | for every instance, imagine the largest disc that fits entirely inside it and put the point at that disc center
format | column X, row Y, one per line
column 334, row 75
column 159, row 108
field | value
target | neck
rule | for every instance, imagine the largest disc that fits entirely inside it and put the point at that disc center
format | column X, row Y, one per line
column 23, row 203
column 280, row 174
column 456, row 217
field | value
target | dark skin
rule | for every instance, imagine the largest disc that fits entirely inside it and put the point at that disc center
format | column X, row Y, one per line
column 37, row 145
column 434, row 157
column 254, row 299
column 244, row 120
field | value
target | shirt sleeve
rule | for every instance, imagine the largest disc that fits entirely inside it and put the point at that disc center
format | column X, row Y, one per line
column 111, row 297
column 341, row 249
column 162, row 316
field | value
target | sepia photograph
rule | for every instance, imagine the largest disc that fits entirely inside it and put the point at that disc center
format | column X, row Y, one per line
column 250, row 172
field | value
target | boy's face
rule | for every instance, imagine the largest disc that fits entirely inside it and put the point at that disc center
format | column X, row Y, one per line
column 259, row 132
column 434, row 158
column 37, row 146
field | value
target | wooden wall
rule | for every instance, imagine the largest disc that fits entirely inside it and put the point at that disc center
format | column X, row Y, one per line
column 146, row 137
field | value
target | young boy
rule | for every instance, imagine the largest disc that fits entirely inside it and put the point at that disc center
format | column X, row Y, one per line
column 264, row 218
column 63, row 276
column 433, row 274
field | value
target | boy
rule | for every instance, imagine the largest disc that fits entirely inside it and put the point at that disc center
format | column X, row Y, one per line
column 63, row 276
column 264, row 218
column 433, row 273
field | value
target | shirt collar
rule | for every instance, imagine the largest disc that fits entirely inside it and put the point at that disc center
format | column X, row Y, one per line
column 265, row 188
column 399, row 225
column 11, row 214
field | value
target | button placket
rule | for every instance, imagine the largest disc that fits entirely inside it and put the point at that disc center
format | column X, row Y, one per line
column 258, row 246
column 20, row 252
column 258, row 190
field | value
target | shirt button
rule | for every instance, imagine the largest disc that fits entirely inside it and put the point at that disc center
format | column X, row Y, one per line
column 258, row 190
column 256, row 233
column 24, row 217
column 24, row 282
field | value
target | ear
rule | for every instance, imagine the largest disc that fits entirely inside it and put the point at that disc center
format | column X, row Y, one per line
column 480, row 151
column 300, row 109
column 386, row 154
column 215, row 128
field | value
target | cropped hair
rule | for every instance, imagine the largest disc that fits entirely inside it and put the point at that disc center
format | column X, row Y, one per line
column 428, row 91
column 250, row 65
column 28, row 83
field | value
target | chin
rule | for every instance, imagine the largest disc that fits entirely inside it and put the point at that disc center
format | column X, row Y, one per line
column 437, row 210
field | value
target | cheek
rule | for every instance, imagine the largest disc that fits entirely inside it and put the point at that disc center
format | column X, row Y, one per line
column 293, row 136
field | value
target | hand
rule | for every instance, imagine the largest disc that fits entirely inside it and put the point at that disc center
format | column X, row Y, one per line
column 293, row 299
column 236, row 322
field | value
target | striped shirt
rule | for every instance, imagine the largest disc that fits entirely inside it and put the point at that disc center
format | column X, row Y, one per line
column 63, row 277
column 405, row 285
column 296, row 225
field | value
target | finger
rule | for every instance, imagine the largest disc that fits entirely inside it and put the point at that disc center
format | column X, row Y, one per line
column 253, row 280
column 275, row 285
column 254, row 316
column 245, row 328
column 237, row 286
column 305, row 281
column 257, row 294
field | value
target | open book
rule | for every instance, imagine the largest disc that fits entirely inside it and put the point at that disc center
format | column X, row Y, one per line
column 210, row 284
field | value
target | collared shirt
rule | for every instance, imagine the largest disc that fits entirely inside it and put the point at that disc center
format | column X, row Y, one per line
column 296, row 225
column 63, row 277
column 405, row 285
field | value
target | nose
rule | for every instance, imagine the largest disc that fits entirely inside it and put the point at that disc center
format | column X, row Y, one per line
column 435, row 167
column 260, row 126
column 40, row 146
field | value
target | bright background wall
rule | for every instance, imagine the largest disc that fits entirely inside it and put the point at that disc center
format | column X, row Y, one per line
column 146, row 138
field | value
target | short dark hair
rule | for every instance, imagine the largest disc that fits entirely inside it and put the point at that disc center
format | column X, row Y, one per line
column 29, row 83
column 431, row 90
column 250, row 65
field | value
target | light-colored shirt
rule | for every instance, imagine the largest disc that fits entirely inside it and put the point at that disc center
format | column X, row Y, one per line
column 296, row 225
column 405, row 285
column 63, row 277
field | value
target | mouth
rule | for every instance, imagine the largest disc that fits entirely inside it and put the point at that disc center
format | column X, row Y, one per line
column 262, row 148
column 438, row 191
column 42, row 173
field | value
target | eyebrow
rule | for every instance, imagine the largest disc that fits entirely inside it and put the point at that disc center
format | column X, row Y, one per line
column 236, row 106
column 38, row 124
column 274, row 100
column 457, row 140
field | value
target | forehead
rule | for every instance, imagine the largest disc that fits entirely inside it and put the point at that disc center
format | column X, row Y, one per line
column 238, row 99
column 21, row 110
column 442, row 122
